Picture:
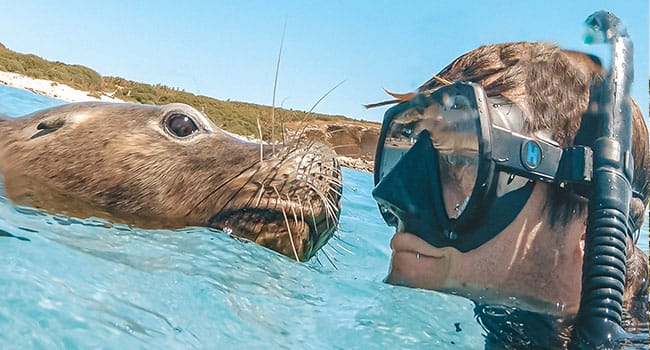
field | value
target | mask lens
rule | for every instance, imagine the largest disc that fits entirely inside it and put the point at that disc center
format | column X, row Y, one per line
column 456, row 139
column 452, row 122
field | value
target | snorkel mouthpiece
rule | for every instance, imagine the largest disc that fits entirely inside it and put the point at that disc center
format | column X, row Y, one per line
column 598, row 323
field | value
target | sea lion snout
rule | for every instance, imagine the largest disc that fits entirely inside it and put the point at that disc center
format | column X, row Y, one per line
column 289, row 202
column 171, row 167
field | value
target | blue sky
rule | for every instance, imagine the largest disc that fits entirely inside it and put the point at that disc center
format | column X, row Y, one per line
column 228, row 49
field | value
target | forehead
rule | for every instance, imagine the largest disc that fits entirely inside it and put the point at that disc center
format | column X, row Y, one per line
column 81, row 112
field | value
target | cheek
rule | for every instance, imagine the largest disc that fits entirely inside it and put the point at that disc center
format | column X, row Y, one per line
column 458, row 184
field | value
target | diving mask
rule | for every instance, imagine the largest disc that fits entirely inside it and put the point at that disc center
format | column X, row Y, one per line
column 455, row 167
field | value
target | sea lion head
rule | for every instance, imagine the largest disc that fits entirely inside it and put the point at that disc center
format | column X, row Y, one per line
column 170, row 167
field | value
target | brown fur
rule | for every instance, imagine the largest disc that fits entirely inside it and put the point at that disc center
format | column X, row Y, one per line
column 118, row 161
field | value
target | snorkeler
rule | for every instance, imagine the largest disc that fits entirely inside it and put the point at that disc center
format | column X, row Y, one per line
column 487, row 175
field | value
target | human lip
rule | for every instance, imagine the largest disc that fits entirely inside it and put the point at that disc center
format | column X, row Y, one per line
column 417, row 264
column 403, row 242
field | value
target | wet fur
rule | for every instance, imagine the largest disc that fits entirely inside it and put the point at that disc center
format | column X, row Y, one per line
column 117, row 161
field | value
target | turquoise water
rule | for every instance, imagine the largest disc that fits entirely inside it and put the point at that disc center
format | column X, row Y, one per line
column 71, row 284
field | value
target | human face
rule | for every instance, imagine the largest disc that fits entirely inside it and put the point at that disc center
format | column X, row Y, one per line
column 530, row 264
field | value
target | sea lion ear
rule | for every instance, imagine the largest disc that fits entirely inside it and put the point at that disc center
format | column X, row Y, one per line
column 49, row 125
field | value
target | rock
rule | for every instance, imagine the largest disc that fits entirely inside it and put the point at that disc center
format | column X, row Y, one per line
column 356, row 163
column 354, row 142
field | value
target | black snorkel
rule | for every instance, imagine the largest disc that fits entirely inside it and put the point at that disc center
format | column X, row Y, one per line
column 598, row 323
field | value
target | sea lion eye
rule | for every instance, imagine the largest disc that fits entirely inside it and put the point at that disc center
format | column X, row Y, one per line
column 181, row 125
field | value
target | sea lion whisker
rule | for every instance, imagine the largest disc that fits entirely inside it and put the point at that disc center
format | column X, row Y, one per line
column 302, row 213
column 301, row 125
column 333, row 167
column 260, row 193
column 286, row 153
column 334, row 182
column 259, row 129
column 294, row 146
column 235, row 193
column 297, row 145
column 275, row 85
column 232, row 178
column 329, row 209
column 293, row 246
column 402, row 97
column 310, row 143
column 337, row 192
column 286, row 220
column 346, row 250
column 329, row 171
column 313, row 217
column 344, row 145
column 318, row 261
column 337, row 251
column 338, row 131
column 293, row 209
column 326, row 94
column 333, row 190
column 298, row 138
column 279, row 197
column 332, row 170
column 301, row 160
column 327, row 201
column 329, row 259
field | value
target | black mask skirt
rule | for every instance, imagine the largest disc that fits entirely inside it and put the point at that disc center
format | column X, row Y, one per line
column 455, row 168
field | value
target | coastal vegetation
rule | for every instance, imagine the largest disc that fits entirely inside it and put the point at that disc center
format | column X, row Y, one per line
column 237, row 117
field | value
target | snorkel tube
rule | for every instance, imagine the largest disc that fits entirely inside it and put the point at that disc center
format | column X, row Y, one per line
column 598, row 323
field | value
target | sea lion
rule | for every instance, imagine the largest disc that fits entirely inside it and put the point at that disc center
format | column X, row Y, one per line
column 170, row 167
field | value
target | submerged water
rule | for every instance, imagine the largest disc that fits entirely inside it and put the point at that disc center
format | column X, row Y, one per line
column 84, row 284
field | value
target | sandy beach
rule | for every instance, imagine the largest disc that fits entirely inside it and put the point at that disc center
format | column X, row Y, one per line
column 50, row 88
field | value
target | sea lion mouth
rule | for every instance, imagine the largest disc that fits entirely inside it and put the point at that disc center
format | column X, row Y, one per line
column 290, row 230
column 289, row 203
